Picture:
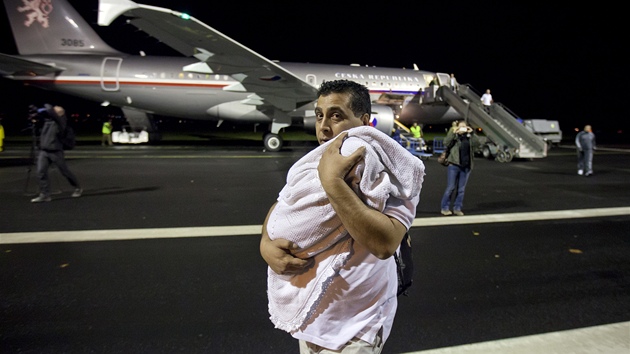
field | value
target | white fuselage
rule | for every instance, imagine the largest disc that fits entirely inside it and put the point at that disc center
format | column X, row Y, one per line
column 158, row 85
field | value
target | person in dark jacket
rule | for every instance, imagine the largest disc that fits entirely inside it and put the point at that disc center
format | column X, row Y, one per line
column 462, row 142
column 51, row 151
column 585, row 143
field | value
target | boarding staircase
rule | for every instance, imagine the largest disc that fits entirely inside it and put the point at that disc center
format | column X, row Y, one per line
column 507, row 137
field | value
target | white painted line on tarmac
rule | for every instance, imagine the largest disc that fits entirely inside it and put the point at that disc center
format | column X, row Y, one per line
column 212, row 231
column 128, row 234
column 515, row 217
column 606, row 339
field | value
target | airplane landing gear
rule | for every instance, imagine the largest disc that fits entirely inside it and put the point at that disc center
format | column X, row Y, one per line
column 273, row 142
column 504, row 156
column 498, row 153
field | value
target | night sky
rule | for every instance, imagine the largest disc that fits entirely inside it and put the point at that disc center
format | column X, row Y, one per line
column 541, row 60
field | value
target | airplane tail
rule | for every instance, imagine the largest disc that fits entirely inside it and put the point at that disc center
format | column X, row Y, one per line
column 52, row 27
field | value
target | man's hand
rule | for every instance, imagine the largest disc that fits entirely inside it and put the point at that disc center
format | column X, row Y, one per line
column 333, row 165
column 277, row 254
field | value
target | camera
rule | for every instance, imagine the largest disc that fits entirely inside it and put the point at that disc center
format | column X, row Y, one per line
column 35, row 112
column 32, row 111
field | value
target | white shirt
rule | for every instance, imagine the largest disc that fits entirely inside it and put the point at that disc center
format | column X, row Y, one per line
column 346, row 310
column 486, row 99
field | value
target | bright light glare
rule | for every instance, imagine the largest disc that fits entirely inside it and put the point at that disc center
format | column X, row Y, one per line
column 185, row 16
column 74, row 24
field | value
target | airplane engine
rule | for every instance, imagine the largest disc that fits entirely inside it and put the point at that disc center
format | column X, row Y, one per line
column 238, row 111
column 382, row 118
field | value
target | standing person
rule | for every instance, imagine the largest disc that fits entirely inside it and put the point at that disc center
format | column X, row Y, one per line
column 331, row 248
column 107, row 133
column 487, row 101
column 462, row 143
column 416, row 131
column 454, row 83
column 1, row 136
column 51, row 151
column 585, row 143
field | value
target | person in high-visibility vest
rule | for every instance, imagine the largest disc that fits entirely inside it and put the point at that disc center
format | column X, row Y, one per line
column 416, row 131
column 107, row 133
column 416, row 134
column 1, row 136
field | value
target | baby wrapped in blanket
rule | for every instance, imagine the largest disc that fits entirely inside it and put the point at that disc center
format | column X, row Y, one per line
column 304, row 215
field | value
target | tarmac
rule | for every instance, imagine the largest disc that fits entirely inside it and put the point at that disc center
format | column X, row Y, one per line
column 160, row 255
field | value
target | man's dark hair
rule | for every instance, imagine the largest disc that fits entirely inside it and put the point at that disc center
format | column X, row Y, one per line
column 359, row 95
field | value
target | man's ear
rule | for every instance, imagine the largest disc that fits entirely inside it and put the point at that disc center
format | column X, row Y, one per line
column 365, row 118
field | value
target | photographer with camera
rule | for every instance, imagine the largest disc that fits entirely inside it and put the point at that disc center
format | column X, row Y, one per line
column 463, row 142
column 51, row 149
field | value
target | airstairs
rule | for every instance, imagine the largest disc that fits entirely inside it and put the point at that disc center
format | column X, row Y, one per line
column 507, row 137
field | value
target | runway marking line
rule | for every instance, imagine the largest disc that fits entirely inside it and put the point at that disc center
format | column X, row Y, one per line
column 612, row 338
column 215, row 231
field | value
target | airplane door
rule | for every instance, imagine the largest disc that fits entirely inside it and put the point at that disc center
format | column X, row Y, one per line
column 110, row 69
column 444, row 79
column 310, row 78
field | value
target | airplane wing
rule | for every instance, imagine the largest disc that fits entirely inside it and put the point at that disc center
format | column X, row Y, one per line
column 12, row 66
column 268, row 82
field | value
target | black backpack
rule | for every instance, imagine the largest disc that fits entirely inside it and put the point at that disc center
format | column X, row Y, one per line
column 404, row 265
column 67, row 138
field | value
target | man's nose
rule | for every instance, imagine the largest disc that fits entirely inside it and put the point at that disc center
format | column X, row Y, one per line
column 324, row 124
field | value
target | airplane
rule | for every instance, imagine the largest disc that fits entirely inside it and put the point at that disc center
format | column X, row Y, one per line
column 216, row 78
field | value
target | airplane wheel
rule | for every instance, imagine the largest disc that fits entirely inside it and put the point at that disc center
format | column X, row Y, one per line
column 273, row 142
column 501, row 156
column 508, row 156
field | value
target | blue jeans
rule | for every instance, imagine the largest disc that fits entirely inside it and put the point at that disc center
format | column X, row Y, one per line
column 456, row 177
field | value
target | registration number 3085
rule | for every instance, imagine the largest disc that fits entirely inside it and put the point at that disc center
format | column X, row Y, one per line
column 68, row 42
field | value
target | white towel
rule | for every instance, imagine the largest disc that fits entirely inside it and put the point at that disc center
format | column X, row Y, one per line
column 304, row 215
